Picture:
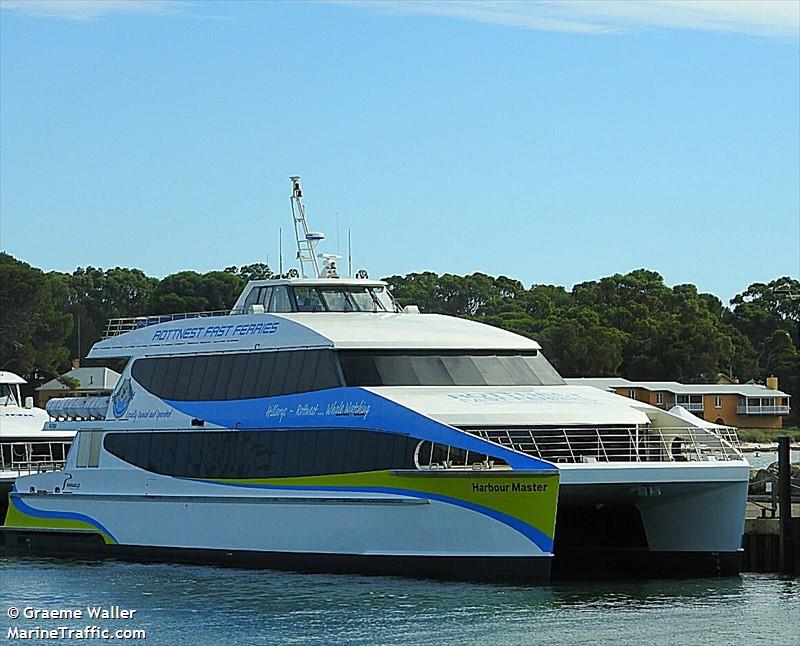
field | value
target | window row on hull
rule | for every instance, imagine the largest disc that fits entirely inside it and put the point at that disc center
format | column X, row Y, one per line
column 244, row 375
column 248, row 375
column 438, row 368
column 262, row 454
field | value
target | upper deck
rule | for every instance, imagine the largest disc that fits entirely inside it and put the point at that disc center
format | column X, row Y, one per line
column 282, row 296
column 303, row 313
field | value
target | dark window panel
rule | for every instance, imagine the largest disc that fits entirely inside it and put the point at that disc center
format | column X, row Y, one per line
column 263, row 374
column 294, row 371
column 263, row 454
column 443, row 368
column 238, row 376
column 463, row 371
column 430, row 370
column 396, row 370
column 206, row 390
column 184, row 377
column 308, row 372
column 277, row 384
column 278, row 466
column 327, row 374
column 494, row 371
column 223, row 377
column 360, row 370
column 159, row 374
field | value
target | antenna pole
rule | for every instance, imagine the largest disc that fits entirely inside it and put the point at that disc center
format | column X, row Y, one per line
column 349, row 255
column 280, row 252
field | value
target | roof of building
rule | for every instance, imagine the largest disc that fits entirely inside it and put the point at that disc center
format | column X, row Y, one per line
column 745, row 390
column 90, row 379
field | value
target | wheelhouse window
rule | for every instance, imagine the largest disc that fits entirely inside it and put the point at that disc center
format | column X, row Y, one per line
column 343, row 298
column 308, row 300
column 281, row 301
column 7, row 395
column 443, row 368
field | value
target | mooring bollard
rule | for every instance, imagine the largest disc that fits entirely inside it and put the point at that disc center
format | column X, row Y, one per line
column 785, row 503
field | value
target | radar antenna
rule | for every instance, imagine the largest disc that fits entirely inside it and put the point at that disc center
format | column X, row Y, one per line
column 306, row 240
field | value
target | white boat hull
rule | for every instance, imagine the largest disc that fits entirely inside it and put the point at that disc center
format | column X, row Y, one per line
column 420, row 531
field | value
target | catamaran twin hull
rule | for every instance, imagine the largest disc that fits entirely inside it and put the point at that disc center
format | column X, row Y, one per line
column 348, row 497
column 358, row 480
column 458, row 525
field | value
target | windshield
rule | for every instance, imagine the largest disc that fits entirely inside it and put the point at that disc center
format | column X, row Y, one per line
column 345, row 298
column 7, row 395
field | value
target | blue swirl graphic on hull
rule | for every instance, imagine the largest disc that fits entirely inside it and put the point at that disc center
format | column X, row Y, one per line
column 348, row 407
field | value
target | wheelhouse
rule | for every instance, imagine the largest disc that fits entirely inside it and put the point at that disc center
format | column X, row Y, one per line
column 332, row 295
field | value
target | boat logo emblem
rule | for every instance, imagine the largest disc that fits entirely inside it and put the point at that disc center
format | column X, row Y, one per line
column 122, row 397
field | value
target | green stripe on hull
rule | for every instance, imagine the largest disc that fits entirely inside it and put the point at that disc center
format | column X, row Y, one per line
column 15, row 517
column 531, row 498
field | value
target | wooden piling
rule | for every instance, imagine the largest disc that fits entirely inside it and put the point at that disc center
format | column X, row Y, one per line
column 785, row 507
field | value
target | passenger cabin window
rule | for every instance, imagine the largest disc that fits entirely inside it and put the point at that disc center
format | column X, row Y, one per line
column 443, row 368
column 263, row 453
column 244, row 375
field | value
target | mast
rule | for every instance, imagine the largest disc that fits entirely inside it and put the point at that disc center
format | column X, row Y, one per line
column 306, row 240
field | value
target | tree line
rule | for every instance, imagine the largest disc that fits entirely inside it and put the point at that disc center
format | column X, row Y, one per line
column 630, row 325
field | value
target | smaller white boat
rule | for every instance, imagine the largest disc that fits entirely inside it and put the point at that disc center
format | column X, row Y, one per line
column 25, row 448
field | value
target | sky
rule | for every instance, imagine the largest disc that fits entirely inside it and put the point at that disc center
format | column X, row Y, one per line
column 552, row 142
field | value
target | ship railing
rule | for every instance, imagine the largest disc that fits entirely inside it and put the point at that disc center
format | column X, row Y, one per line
column 117, row 326
column 619, row 444
column 25, row 458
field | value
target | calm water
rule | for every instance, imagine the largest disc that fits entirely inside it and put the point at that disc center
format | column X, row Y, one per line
column 762, row 459
column 203, row 605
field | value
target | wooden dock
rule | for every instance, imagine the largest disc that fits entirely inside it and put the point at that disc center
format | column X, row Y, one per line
column 762, row 539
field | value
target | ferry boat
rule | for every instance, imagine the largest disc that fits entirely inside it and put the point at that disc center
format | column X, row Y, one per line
column 318, row 426
column 24, row 446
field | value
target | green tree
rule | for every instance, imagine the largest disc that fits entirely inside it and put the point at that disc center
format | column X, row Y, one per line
column 32, row 329
column 93, row 296
column 188, row 291
column 255, row 271
column 579, row 344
